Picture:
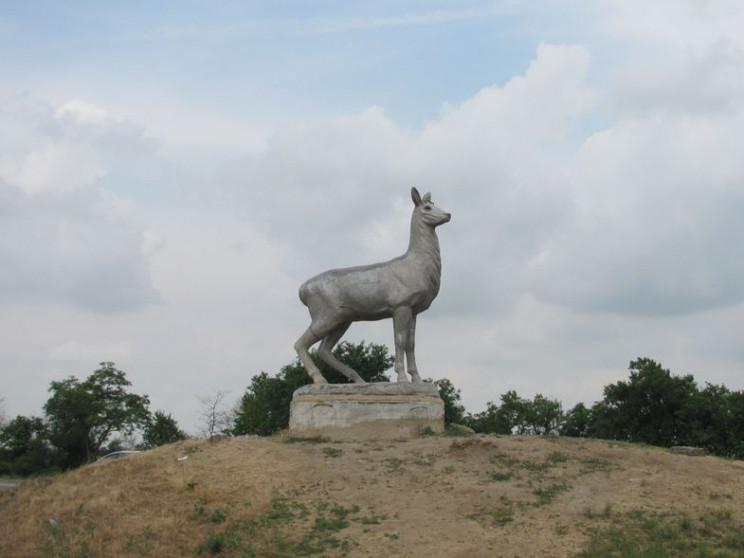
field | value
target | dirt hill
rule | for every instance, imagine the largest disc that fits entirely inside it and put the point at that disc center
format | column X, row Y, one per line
column 479, row 496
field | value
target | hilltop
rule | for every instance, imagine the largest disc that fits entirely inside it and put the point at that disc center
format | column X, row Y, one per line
column 469, row 497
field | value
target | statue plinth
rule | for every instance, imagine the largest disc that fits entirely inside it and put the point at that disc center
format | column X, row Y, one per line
column 375, row 411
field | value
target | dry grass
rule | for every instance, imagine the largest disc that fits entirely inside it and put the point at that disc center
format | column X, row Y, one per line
column 434, row 496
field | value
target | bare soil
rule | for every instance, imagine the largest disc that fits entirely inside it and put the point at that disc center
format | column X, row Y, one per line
column 469, row 497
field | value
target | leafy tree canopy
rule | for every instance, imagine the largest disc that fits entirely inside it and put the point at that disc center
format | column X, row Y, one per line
column 516, row 415
column 82, row 415
column 24, row 447
column 161, row 429
column 454, row 412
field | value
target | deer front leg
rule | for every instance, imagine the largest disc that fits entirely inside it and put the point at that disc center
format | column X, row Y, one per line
column 402, row 318
column 411, row 352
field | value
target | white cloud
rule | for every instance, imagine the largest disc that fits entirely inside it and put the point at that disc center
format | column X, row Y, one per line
column 87, row 352
column 658, row 201
column 63, row 149
column 673, row 23
column 329, row 189
column 62, row 236
column 83, row 112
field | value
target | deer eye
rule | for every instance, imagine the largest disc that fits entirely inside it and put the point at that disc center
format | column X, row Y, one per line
column 427, row 207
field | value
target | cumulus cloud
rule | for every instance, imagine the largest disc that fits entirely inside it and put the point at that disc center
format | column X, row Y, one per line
column 659, row 207
column 89, row 352
column 63, row 149
column 331, row 189
column 63, row 237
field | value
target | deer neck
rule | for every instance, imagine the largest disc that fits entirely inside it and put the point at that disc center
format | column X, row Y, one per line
column 424, row 245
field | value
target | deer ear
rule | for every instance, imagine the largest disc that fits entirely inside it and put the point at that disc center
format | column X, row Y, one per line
column 427, row 197
column 415, row 196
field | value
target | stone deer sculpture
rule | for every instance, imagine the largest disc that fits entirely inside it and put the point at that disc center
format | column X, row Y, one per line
column 400, row 289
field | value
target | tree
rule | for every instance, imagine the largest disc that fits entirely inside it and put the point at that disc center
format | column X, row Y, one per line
column 454, row 413
column 25, row 447
column 264, row 408
column 653, row 407
column 513, row 413
column 82, row 415
column 542, row 416
column 577, row 422
column 215, row 418
column 161, row 429
column 516, row 415
column 488, row 421
column 501, row 419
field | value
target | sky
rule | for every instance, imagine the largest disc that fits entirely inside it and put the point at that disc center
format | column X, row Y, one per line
column 171, row 172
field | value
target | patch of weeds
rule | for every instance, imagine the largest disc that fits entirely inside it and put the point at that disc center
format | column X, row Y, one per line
column 595, row 464
column 215, row 543
column 561, row 530
column 714, row 517
column 393, row 536
column 218, row 516
column 604, row 514
column 716, row 496
column 279, row 513
column 545, row 495
column 556, row 457
column 188, row 450
column 461, row 446
column 142, row 544
column 284, row 531
column 66, row 539
column 425, row 460
column 426, row 431
column 501, row 515
column 449, row 469
column 533, row 466
column 200, row 506
column 394, row 464
column 665, row 535
column 500, row 476
column 302, row 511
column 686, row 524
column 191, row 485
column 335, row 521
column 332, row 452
column 310, row 440
column 373, row 519
column 498, row 515
column 505, row 459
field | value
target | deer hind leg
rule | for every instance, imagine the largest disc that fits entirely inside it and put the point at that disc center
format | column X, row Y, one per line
column 411, row 352
column 302, row 346
column 325, row 351
column 402, row 319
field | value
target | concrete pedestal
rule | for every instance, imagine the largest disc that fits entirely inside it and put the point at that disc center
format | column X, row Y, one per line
column 374, row 411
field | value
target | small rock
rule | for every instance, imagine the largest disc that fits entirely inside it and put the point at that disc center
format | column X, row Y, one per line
column 461, row 428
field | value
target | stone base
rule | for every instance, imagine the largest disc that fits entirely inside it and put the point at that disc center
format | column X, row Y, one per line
column 375, row 411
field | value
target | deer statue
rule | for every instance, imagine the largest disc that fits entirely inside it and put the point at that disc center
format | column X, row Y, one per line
column 400, row 289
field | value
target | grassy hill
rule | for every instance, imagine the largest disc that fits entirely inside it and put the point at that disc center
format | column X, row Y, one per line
column 480, row 496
